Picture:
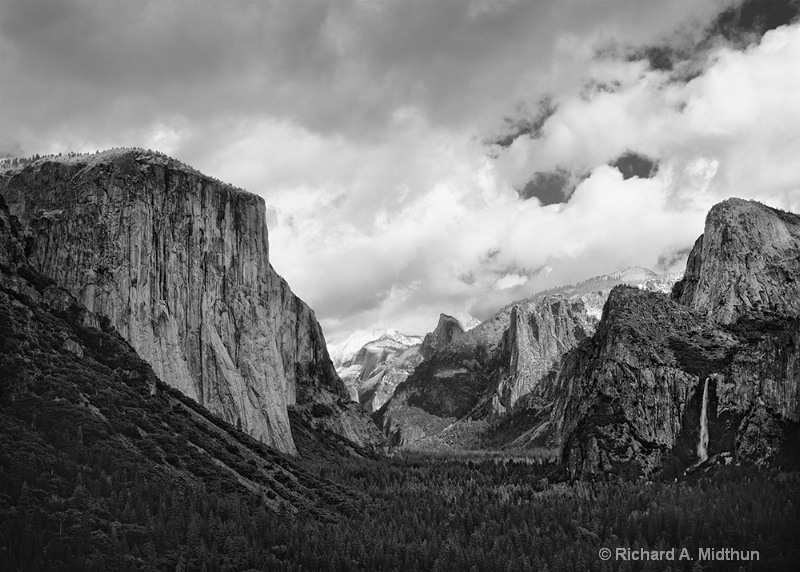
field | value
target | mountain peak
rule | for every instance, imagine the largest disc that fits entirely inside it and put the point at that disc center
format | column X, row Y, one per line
column 449, row 329
column 343, row 353
column 466, row 321
column 634, row 274
column 747, row 258
column 179, row 264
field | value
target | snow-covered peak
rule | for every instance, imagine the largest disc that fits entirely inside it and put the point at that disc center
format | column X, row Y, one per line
column 647, row 279
column 345, row 351
column 634, row 274
column 349, row 347
column 393, row 335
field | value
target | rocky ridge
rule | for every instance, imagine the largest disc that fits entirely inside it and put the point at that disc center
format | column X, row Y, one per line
column 504, row 367
column 630, row 399
column 449, row 329
column 747, row 259
column 179, row 264
column 372, row 369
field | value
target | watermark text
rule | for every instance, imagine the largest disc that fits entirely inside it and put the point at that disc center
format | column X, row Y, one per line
column 700, row 554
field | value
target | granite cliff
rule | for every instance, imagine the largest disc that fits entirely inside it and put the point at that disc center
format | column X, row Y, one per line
column 179, row 264
column 76, row 400
column 723, row 353
column 373, row 364
column 747, row 259
column 449, row 329
column 467, row 393
column 533, row 345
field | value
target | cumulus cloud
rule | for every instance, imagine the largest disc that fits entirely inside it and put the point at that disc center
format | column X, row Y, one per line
column 725, row 133
column 364, row 125
column 82, row 70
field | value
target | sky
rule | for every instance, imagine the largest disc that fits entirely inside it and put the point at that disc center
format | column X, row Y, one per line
column 419, row 157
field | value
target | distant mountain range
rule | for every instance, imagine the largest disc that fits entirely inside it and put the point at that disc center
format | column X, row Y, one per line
column 481, row 375
column 373, row 363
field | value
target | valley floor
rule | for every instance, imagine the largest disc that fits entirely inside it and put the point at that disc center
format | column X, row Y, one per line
column 495, row 514
column 411, row 513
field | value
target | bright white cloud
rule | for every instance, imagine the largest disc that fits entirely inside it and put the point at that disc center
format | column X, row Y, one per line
column 361, row 125
column 729, row 132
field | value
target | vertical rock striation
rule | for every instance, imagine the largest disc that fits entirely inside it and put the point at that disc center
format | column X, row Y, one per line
column 748, row 258
column 179, row 263
column 373, row 364
column 493, row 386
column 722, row 357
column 449, row 329
column 535, row 341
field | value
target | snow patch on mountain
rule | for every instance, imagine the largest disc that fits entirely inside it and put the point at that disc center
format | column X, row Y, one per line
column 344, row 353
column 466, row 321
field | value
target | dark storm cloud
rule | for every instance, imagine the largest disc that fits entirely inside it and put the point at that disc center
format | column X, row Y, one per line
column 747, row 21
column 740, row 23
column 550, row 188
column 632, row 164
column 91, row 68
column 131, row 63
column 525, row 123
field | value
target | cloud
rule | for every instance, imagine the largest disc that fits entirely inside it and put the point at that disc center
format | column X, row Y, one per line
column 363, row 124
column 81, row 72
column 725, row 133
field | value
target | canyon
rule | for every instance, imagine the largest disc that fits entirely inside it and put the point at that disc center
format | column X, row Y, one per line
column 468, row 389
column 630, row 373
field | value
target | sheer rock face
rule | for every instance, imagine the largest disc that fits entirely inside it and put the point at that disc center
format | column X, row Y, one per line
column 179, row 263
column 506, row 363
column 622, row 396
column 373, row 371
column 748, row 258
column 449, row 329
column 629, row 400
column 383, row 370
column 536, row 340
column 493, row 385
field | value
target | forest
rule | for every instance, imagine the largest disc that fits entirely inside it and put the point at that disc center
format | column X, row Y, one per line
column 410, row 514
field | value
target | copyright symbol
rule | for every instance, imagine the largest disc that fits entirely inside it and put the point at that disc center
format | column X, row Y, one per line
column 605, row 554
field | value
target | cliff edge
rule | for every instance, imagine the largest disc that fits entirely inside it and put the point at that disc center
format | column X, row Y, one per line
column 179, row 263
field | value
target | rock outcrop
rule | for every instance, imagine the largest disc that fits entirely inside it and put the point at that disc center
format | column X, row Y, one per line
column 66, row 373
column 179, row 264
column 747, row 259
column 630, row 400
column 534, row 343
column 372, row 369
column 462, row 394
column 449, row 329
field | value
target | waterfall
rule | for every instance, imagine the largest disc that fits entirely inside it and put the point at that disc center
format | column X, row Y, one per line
column 702, row 444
